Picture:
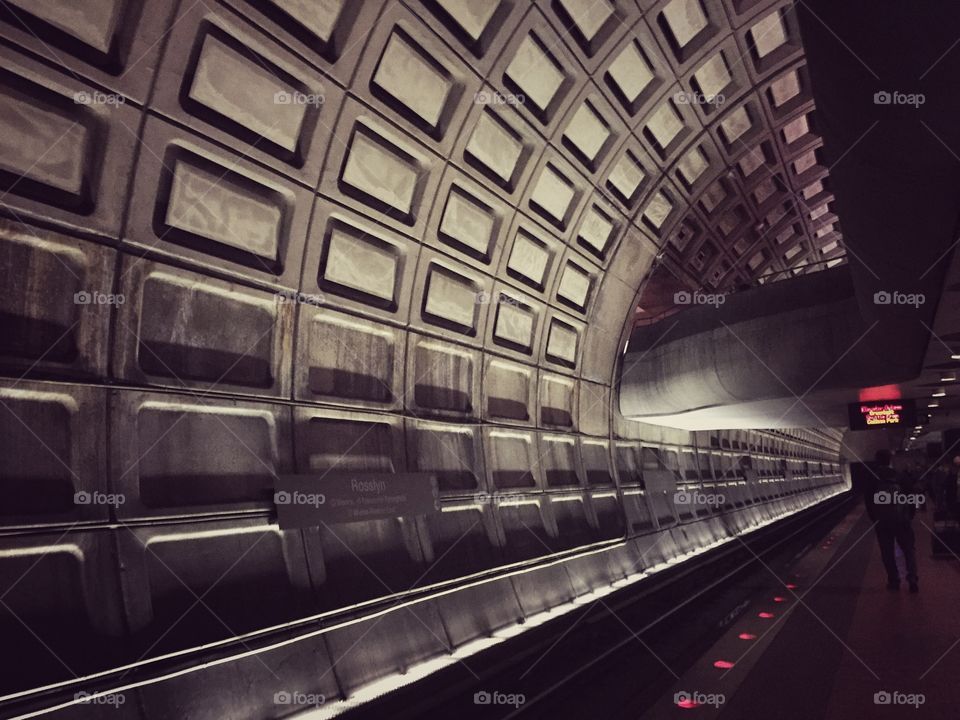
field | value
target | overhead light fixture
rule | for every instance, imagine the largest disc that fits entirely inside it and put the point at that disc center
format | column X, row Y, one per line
column 939, row 393
column 933, row 405
column 955, row 357
column 948, row 378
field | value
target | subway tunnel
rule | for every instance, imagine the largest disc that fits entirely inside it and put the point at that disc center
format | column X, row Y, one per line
column 476, row 358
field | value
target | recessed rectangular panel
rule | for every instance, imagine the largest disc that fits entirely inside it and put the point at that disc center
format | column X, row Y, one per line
column 658, row 210
column 559, row 461
column 785, row 88
column 451, row 299
column 595, row 231
column 713, row 76
column 735, row 124
column 247, row 90
column 535, row 72
column 381, row 171
column 38, row 464
column 190, row 331
column 752, row 161
column 626, row 177
column 768, row 34
column 596, row 462
column 631, row 72
column 686, row 19
column 589, row 15
column 347, row 444
column 472, row 16
column 692, row 166
column 557, row 399
column 468, row 223
column 175, row 468
column 360, row 265
column 507, row 387
column 350, row 358
column 529, row 259
column 664, row 125
column 243, row 574
column 553, row 193
column 587, row 131
column 515, row 326
column 495, row 147
column 443, row 377
column 407, row 75
column 512, row 458
column 451, row 453
column 562, row 343
column 319, row 16
column 52, row 309
column 49, row 145
column 210, row 204
column 92, row 23
column 574, row 286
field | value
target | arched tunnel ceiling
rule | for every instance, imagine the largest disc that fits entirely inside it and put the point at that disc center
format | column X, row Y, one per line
column 458, row 150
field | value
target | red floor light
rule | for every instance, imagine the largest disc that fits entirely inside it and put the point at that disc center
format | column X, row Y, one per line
column 747, row 636
column 723, row 664
column 779, row 599
column 687, row 704
column 791, row 586
column 765, row 615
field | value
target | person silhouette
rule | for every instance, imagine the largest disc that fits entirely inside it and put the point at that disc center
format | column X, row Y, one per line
column 891, row 506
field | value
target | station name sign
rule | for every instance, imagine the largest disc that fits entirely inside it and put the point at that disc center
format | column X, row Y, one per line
column 311, row 500
column 873, row 414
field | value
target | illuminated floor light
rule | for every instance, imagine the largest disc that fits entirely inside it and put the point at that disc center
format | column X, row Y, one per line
column 723, row 664
column 765, row 615
column 791, row 586
column 747, row 636
column 779, row 599
column 687, row 703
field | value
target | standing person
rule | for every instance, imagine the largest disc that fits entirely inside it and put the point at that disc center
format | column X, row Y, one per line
column 890, row 507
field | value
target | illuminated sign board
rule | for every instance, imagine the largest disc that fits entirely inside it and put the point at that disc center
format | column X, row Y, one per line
column 882, row 413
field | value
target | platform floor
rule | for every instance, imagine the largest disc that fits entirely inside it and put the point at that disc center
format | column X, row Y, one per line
column 837, row 637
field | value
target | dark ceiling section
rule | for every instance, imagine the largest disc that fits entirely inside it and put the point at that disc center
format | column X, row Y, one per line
column 894, row 166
